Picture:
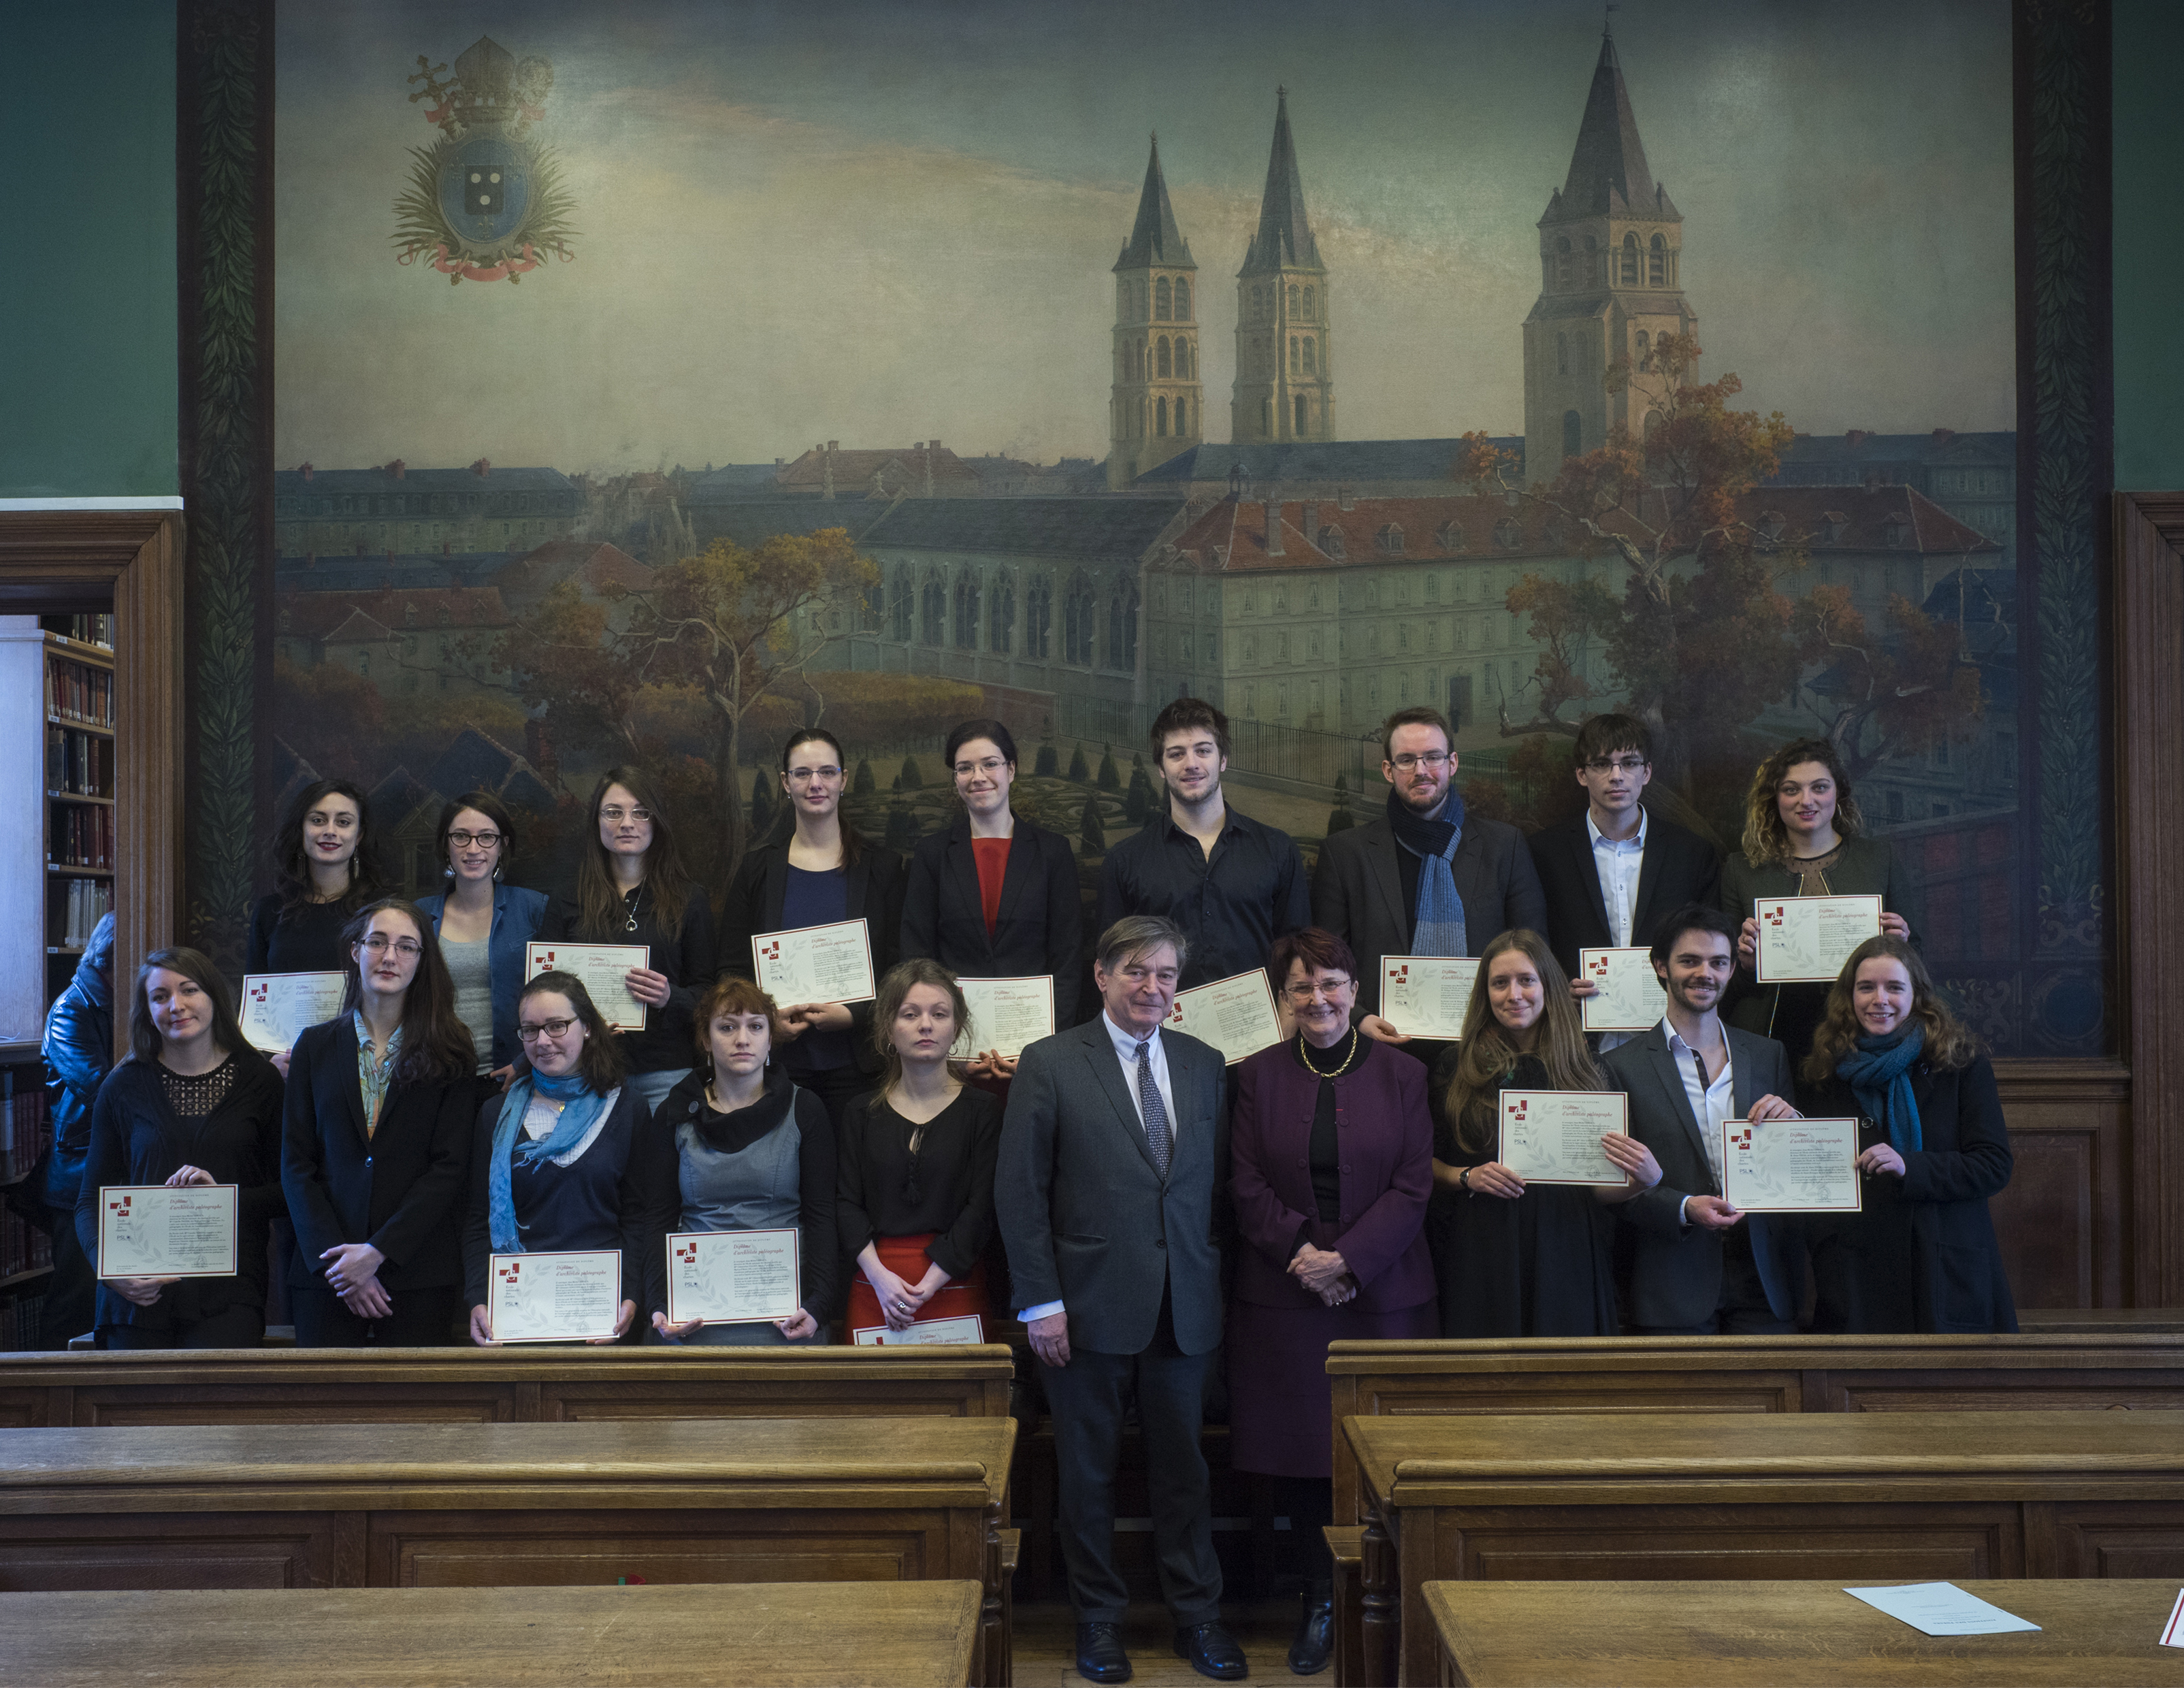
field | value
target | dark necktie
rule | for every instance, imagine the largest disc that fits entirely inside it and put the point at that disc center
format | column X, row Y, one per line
column 1158, row 1138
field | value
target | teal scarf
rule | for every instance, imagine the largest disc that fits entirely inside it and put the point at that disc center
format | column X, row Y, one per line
column 1879, row 1072
column 580, row 1106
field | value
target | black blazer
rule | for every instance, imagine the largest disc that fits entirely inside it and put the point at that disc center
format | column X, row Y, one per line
column 400, row 1189
column 1678, row 867
column 1041, row 926
column 1357, row 893
column 875, row 888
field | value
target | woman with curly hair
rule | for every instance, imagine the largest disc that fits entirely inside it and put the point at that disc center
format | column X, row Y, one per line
column 1517, row 1260
column 1921, row 1255
column 1804, row 837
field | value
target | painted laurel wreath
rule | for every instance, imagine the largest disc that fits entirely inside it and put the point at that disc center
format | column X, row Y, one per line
column 422, row 233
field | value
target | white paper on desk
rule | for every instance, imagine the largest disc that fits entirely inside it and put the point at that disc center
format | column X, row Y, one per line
column 968, row 1329
column 1941, row 1609
column 2172, row 1632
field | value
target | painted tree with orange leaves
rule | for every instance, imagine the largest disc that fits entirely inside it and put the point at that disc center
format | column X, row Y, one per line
column 1895, row 694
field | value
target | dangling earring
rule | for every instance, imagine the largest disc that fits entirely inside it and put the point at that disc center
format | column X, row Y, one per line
column 496, row 873
column 447, row 870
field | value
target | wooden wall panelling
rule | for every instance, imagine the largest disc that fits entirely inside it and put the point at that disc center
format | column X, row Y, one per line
column 2062, row 1220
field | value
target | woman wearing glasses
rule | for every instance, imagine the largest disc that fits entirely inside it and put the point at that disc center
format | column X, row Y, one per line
column 916, row 1206
column 632, row 888
column 822, row 875
column 1331, row 1167
column 995, row 896
column 566, row 1160
column 483, row 924
column 752, row 1151
column 376, row 1145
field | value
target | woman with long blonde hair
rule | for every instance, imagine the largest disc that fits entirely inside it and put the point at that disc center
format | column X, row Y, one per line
column 1920, row 1256
column 1515, row 1260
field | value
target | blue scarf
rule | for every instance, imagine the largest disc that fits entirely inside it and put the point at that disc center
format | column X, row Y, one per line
column 1433, row 840
column 1878, row 1072
column 581, row 1106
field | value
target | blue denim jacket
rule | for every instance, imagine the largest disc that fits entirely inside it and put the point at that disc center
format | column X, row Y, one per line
column 516, row 912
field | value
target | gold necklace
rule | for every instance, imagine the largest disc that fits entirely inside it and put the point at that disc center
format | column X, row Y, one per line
column 1304, row 1049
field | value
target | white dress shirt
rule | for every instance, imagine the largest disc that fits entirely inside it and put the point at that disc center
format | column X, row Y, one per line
column 1711, row 1103
column 1618, row 861
column 1125, row 1043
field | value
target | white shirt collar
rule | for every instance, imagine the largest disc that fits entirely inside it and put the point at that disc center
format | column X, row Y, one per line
column 1126, row 1042
column 1677, row 1048
column 1636, row 841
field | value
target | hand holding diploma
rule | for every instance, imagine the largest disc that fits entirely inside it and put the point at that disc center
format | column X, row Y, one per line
column 1639, row 1167
column 1881, row 1157
column 651, row 989
column 814, row 1016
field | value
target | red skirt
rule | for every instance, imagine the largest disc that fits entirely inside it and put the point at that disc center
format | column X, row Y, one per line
column 904, row 1257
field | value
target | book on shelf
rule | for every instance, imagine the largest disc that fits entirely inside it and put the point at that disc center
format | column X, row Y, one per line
column 23, row 1107
column 97, row 628
column 21, row 1316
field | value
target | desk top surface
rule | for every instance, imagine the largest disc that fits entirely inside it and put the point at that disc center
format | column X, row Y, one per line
column 1792, row 1635
column 943, row 1455
column 844, row 1361
column 2095, row 1341
column 1425, row 1451
column 794, row 1635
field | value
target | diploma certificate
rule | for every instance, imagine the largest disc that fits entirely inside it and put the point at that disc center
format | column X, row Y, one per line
column 277, row 1006
column 152, row 1231
column 1235, row 1015
column 1425, row 996
column 1806, row 940
column 553, row 1297
column 1005, row 1015
column 968, row 1329
column 1628, row 998
column 602, row 968
column 732, row 1277
column 1553, row 1136
column 815, row 964
column 1790, row 1166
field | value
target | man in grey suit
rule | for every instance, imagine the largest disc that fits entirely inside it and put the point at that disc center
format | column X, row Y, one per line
column 1112, row 1179
column 1424, row 878
column 1701, row 1266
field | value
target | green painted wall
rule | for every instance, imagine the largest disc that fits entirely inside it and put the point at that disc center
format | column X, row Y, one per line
column 2150, row 247
column 87, row 316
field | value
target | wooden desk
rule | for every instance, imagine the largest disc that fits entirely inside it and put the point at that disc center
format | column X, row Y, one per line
column 794, row 1635
column 1789, row 1635
column 2147, row 1321
column 1874, row 1497
column 484, row 1505
column 498, row 1385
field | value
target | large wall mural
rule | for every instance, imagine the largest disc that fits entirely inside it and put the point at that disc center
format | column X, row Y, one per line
column 655, row 380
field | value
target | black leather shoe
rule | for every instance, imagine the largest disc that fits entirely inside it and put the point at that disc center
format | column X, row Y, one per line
column 1212, row 1651
column 1100, row 1654
column 1315, row 1635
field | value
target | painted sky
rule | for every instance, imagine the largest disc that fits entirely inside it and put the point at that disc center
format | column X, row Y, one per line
column 887, row 222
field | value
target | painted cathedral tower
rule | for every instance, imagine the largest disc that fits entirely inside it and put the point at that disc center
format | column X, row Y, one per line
column 1611, row 247
column 1285, row 386
column 1155, row 410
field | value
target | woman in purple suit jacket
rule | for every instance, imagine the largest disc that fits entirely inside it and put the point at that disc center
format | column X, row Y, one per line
column 1331, row 1148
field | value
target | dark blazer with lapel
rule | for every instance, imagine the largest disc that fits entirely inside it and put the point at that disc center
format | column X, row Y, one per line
column 873, row 893
column 400, row 1189
column 1357, row 893
column 1678, row 867
column 1675, row 1273
column 1040, row 928
column 1088, row 1219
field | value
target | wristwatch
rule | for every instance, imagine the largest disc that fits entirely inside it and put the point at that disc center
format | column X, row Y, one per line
column 1463, row 1181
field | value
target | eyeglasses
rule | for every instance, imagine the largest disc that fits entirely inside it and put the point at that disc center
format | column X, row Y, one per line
column 544, row 1028
column 813, row 775
column 991, row 767
column 615, row 814
column 1424, row 758
column 482, row 840
column 1330, row 988
column 1616, row 764
column 409, row 949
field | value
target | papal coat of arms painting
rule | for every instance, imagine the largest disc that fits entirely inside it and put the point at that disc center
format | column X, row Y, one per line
column 654, row 378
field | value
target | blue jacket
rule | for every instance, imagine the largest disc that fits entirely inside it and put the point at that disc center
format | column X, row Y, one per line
column 78, row 1049
column 516, row 913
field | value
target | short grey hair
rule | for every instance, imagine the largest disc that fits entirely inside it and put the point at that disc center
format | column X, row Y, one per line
column 1134, row 934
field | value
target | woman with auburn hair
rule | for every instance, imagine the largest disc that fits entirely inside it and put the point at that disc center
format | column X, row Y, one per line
column 1331, row 1167
column 484, row 925
column 376, row 1145
column 1516, row 1260
column 1921, row 1255
column 566, row 1160
column 632, row 888
column 192, row 1103
column 1804, row 836
column 821, row 874
column 916, row 1190
column 746, row 1149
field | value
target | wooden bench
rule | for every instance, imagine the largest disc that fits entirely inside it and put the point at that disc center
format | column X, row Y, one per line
column 771, row 1635
column 488, row 1506
column 1864, row 1496
column 1790, row 1635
